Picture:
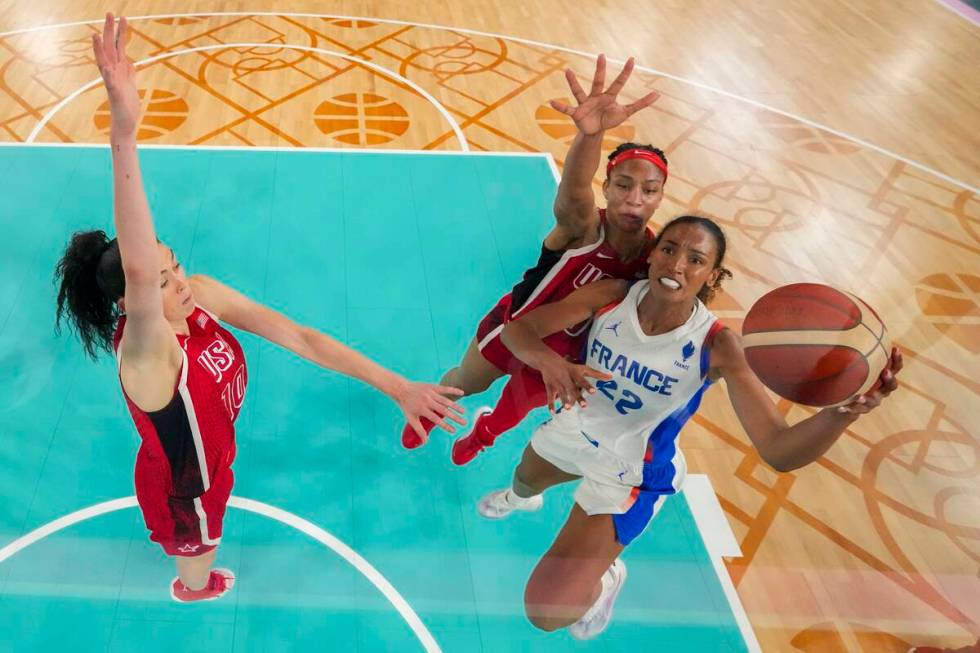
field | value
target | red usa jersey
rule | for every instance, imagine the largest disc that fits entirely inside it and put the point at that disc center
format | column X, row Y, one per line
column 194, row 435
column 559, row 273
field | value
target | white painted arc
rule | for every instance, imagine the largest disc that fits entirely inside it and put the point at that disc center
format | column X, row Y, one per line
column 428, row 642
column 462, row 30
column 460, row 137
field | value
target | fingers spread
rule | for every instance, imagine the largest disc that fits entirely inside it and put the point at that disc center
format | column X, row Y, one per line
column 449, row 403
column 417, row 427
column 97, row 51
column 449, row 390
column 438, row 421
column 589, row 371
column 621, row 78
column 599, row 79
column 561, row 107
column 121, row 39
column 574, row 86
column 108, row 36
column 642, row 103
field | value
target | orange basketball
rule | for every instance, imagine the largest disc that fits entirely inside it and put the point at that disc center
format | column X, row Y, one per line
column 815, row 345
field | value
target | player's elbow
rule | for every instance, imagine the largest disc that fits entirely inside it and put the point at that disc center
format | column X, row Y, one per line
column 778, row 460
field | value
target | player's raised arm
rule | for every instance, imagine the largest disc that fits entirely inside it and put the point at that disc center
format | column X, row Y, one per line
column 596, row 112
column 148, row 335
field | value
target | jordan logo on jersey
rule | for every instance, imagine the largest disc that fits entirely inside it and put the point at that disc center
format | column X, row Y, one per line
column 217, row 358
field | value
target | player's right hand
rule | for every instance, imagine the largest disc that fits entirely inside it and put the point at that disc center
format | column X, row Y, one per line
column 568, row 383
column 118, row 74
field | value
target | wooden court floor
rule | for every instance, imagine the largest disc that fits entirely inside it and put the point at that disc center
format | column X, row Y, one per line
column 850, row 156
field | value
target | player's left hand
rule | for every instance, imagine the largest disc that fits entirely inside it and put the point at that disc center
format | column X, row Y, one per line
column 888, row 383
column 430, row 401
column 599, row 110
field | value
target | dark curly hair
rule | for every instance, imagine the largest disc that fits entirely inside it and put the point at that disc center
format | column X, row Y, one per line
column 707, row 293
column 91, row 281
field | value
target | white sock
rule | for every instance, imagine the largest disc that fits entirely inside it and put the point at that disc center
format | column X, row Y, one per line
column 511, row 497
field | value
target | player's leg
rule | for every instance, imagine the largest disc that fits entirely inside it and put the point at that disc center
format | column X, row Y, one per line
column 523, row 392
column 532, row 476
column 578, row 579
column 194, row 571
column 474, row 374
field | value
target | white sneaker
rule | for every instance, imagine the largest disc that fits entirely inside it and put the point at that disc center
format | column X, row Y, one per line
column 501, row 503
column 597, row 618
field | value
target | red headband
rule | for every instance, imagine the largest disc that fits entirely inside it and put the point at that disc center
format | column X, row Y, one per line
column 637, row 153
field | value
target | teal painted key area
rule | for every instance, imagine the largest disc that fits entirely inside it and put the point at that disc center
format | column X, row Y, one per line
column 397, row 255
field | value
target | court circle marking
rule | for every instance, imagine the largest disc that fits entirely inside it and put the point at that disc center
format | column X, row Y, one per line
column 250, row 505
column 463, row 144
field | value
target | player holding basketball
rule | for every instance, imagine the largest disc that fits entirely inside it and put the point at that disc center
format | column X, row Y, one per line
column 586, row 244
column 658, row 349
column 182, row 372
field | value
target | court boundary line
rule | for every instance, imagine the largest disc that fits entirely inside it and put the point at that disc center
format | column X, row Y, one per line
column 961, row 9
column 453, row 125
column 720, row 542
column 249, row 505
column 548, row 156
column 516, row 39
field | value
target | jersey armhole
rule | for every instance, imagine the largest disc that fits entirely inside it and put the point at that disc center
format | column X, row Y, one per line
column 709, row 339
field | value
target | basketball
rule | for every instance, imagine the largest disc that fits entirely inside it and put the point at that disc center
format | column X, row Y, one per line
column 815, row 345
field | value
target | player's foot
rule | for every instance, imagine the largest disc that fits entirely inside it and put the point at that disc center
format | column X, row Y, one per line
column 219, row 582
column 501, row 503
column 411, row 439
column 467, row 447
column 599, row 615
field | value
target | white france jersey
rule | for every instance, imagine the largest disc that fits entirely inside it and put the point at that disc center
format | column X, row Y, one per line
column 656, row 385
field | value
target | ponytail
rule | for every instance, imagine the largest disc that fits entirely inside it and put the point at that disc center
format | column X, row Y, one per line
column 91, row 281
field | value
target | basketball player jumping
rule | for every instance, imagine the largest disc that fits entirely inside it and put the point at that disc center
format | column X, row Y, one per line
column 586, row 244
column 659, row 349
column 182, row 373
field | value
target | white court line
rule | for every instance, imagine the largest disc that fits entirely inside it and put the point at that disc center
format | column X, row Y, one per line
column 288, row 148
column 961, row 9
column 719, row 540
column 287, row 518
column 223, row 46
column 515, row 39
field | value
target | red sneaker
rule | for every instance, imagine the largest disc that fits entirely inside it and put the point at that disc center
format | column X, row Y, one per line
column 470, row 445
column 220, row 581
column 411, row 439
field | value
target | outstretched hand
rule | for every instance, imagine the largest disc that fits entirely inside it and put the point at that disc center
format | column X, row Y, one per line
column 118, row 74
column 427, row 400
column 888, row 383
column 599, row 111
column 568, row 383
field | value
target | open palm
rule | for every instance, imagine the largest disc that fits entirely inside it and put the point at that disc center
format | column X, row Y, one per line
column 118, row 74
column 598, row 110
